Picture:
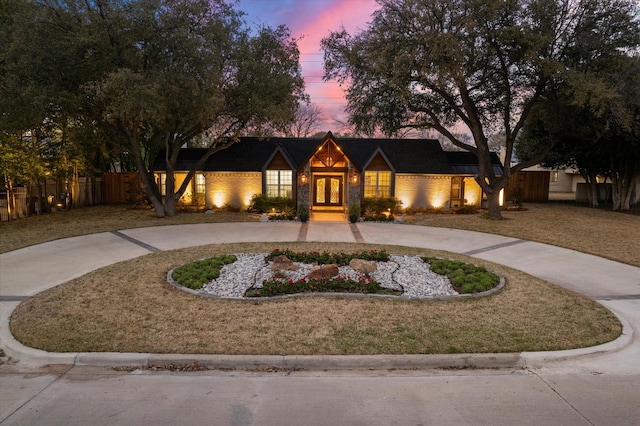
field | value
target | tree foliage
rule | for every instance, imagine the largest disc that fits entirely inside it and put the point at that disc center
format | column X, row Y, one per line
column 595, row 128
column 483, row 65
column 150, row 76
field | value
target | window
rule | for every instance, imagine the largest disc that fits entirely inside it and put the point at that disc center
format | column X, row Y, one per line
column 456, row 188
column 199, row 184
column 377, row 184
column 279, row 183
column 553, row 176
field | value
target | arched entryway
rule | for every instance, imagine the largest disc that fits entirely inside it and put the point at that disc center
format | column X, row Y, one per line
column 329, row 167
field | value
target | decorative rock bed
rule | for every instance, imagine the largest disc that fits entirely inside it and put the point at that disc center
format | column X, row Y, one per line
column 407, row 274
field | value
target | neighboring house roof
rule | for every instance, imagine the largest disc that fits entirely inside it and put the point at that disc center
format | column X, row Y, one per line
column 466, row 163
column 419, row 156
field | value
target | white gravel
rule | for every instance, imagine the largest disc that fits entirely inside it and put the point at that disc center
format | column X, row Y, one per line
column 408, row 273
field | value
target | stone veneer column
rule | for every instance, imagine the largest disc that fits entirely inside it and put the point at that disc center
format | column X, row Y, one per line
column 303, row 189
column 353, row 189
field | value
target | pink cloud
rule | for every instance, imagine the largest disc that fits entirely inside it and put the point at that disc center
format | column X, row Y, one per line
column 353, row 15
column 310, row 21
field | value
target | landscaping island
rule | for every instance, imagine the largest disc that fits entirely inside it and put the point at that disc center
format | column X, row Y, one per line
column 285, row 272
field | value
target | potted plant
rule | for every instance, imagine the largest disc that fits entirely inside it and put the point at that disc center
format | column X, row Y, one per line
column 303, row 212
column 354, row 212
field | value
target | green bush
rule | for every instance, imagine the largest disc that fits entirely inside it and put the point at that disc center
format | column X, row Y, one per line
column 196, row 274
column 286, row 214
column 280, row 284
column 464, row 277
column 354, row 209
column 303, row 209
column 382, row 204
column 323, row 258
column 468, row 209
column 262, row 203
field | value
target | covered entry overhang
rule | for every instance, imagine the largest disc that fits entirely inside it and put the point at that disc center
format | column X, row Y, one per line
column 332, row 178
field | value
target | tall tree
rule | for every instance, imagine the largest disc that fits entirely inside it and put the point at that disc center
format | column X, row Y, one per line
column 595, row 122
column 165, row 71
column 307, row 120
column 444, row 63
column 44, row 60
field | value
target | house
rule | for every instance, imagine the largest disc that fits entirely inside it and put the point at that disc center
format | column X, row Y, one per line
column 330, row 173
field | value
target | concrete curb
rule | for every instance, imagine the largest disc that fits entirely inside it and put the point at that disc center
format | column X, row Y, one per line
column 24, row 354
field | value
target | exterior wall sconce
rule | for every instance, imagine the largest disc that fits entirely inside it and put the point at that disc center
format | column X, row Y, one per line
column 354, row 179
column 303, row 178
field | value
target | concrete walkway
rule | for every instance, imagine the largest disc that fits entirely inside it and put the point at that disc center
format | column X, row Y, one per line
column 28, row 271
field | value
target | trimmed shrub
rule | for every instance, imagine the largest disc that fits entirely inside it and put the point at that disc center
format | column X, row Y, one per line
column 464, row 277
column 323, row 258
column 382, row 204
column 280, row 284
column 262, row 203
column 195, row 275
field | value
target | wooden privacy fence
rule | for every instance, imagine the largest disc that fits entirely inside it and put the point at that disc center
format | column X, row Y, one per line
column 118, row 188
column 13, row 208
column 533, row 186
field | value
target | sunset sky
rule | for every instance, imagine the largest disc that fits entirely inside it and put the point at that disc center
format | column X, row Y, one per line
column 312, row 20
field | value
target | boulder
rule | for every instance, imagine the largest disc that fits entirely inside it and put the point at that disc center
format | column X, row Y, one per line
column 283, row 263
column 324, row 271
column 363, row 266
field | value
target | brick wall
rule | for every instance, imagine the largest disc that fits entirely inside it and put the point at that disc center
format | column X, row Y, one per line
column 232, row 188
column 424, row 191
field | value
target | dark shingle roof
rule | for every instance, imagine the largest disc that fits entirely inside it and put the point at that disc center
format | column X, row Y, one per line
column 405, row 155
column 466, row 163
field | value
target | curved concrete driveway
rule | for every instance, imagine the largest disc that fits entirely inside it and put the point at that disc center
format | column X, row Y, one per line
column 27, row 271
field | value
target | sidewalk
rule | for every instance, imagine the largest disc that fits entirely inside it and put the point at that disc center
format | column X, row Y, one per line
column 28, row 271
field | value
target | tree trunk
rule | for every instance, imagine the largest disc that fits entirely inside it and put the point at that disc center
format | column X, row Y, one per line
column 9, row 198
column 592, row 191
column 148, row 185
column 45, row 203
column 153, row 196
column 75, row 188
column 623, row 173
column 170, row 202
column 621, row 191
column 493, row 204
column 39, row 197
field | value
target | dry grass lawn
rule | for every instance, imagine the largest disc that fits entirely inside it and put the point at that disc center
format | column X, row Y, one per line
column 129, row 307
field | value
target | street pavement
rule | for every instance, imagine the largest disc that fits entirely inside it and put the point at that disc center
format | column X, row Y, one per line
column 591, row 386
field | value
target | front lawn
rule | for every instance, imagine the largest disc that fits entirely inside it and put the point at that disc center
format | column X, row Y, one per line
column 130, row 307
